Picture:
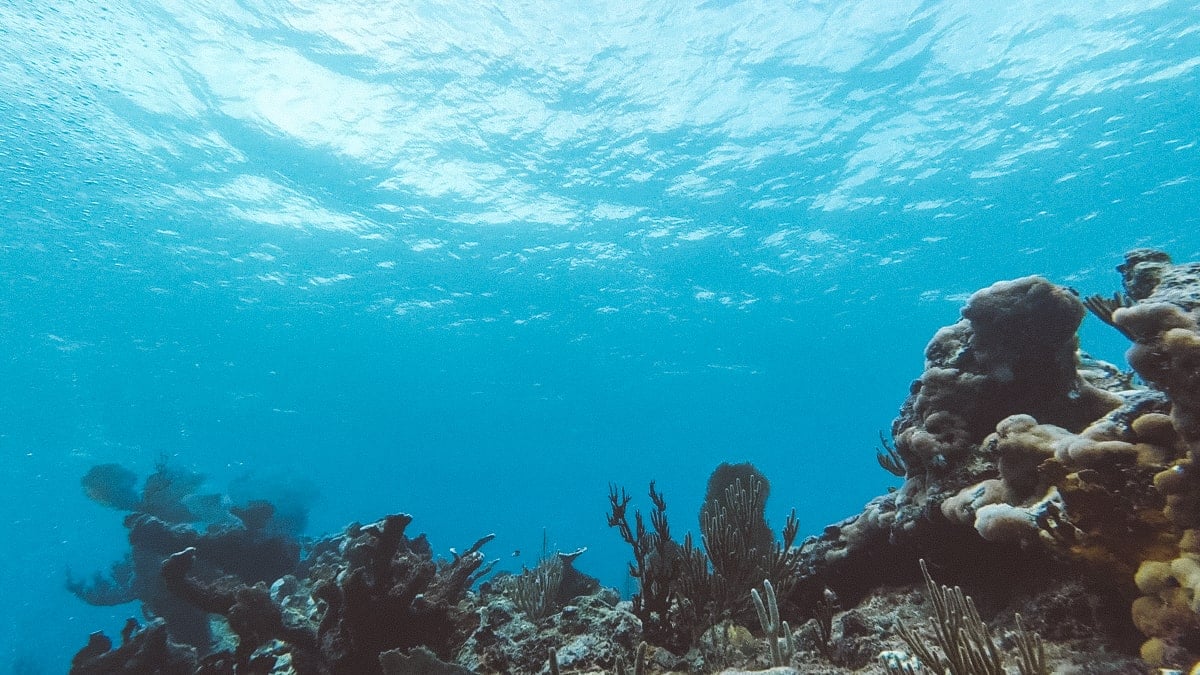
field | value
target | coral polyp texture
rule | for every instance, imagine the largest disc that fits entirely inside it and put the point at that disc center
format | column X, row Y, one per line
column 1056, row 496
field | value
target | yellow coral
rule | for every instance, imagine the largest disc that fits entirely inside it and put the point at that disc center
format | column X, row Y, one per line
column 1153, row 577
column 1187, row 572
column 1154, row 428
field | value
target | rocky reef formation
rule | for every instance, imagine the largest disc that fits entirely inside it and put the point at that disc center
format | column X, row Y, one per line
column 1029, row 466
column 248, row 542
column 1057, row 496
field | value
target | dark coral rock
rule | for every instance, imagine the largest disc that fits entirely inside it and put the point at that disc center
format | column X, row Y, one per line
column 418, row 661
column 857, row 642
column 1142, row 271
column 253, row 616
column 391, row 594
column 146, row 651
column 588, row 635
column 1014, row 352
column 250, row 556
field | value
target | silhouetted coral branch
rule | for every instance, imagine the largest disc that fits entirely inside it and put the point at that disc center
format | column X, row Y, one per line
column 1102, row 308
column 891, row 462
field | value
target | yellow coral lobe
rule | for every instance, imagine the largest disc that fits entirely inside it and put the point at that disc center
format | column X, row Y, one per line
column 1151, row 455
column 1187, row 572
column 1174, row 479
column 1088, row 452
column 1154, row 428
column 1183, row 339
column 1154, row 652
column 1153, row 577
column 1189, row 543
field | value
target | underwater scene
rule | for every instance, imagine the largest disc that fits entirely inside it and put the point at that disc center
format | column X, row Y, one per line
column 352, row 337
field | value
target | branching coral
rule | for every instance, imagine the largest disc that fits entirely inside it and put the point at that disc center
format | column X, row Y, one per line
column 390, row 593
column 380, row 590
column 253, row 616
column 685, row 589
column 243, row 550
column 657, row 565
column 142, row 650
column 168, row 515
column 545, row 589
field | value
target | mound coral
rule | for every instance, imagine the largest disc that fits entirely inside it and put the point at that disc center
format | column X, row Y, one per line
column 1120, row 496
column 1015, row 351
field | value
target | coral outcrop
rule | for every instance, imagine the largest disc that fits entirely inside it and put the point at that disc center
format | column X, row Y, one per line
column 1015, row 351
column 1025, row 459
column 167, row 517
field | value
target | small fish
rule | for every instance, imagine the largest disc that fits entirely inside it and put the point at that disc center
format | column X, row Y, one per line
column 517, row 553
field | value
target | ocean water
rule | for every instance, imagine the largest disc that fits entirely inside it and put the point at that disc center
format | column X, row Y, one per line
column 476, row 261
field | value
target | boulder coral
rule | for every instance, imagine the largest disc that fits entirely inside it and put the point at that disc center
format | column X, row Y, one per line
column 1015, row 351
column 1120, row 497
column 1024, row 457
column 1162, row 320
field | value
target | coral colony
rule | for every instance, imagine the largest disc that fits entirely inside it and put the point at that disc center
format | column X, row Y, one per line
column 1056, row 498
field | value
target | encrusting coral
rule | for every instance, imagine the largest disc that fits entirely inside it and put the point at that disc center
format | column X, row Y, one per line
column 1162, row 322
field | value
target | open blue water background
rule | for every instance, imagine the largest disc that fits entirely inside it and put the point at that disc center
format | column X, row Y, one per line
column 474, row 261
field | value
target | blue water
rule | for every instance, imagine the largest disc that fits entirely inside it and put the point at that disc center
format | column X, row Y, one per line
column 475, row 261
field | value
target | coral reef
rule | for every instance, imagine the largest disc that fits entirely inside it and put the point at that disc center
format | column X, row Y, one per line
column 1059, row 493
column 1025, row 459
